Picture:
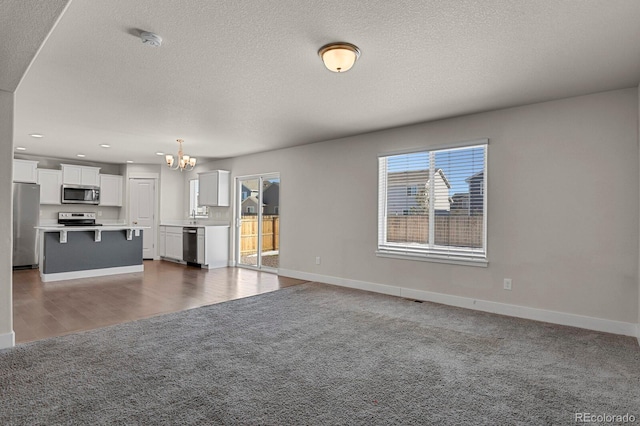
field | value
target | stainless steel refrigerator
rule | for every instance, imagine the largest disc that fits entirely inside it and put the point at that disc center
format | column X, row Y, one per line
column 26, row 214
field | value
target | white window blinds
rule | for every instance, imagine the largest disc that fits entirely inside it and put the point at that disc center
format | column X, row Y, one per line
column 432, row 204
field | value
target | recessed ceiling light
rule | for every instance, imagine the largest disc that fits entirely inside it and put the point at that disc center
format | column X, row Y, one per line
column 80, row 155
column 129, row 161
column 20, row 148
column 36, row 135
column 159, row 153
column 104, row 145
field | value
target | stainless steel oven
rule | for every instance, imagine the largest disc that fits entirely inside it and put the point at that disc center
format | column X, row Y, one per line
column 80, row 194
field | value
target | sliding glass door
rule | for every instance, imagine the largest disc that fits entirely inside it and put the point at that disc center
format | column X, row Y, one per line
column 258, row 221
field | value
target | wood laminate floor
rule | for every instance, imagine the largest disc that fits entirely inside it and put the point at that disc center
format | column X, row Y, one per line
column 42, row 310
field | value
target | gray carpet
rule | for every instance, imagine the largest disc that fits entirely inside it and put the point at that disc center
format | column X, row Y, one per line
column 318, row 354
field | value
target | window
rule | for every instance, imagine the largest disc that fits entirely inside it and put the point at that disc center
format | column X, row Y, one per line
column 200, row 211
column 444, row 219
column 412, row 190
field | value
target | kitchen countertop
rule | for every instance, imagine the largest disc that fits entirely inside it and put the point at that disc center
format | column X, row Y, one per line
column 56, row 228
column 192, row 225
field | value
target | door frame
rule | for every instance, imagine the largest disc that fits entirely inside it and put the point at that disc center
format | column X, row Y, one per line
column 156, row 208
column 237, row 213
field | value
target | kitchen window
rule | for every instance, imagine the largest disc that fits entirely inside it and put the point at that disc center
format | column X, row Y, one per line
column 200, row 211
column 432, row 205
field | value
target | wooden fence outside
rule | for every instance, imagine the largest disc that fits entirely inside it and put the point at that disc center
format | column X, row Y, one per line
column 458, row 231
column 249, row 234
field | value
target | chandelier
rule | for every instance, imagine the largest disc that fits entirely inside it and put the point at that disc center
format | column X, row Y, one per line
column 184, row 161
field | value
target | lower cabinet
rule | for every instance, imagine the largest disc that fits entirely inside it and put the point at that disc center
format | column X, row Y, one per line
column 213, row 245
column 201, row 245
column 172, row 246
column 215, row 241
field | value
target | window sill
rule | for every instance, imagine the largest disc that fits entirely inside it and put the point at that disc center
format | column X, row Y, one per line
column 482, row 263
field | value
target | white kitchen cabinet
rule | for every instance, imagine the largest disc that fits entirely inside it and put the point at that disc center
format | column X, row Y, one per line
column 215, row 241
column 25, row 171
column 111, row 190
column 173, row 242
column 213, row 245
column 162, row 246
column 214, row 188
column 50, row 182
column 80, row 175
column 201, row 245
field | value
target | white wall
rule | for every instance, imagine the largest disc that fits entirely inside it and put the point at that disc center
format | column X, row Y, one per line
column 563, row 206
column 6, row 211
column 171, row 194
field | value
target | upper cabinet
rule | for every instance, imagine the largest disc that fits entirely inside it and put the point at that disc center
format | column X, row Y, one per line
column 80, row 175
column 111, row 190
column 50, row 182
column 25, row 171
column 214, row 188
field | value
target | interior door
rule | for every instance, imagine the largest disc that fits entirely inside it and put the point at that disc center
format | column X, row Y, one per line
column 258, row 222
column 142, row 199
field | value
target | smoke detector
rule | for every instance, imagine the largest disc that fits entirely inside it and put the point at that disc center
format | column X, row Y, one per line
column 151, row 39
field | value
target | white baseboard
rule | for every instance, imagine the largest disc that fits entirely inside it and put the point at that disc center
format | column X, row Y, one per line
column 215, row 265
column 59, row 276
column 7, row 340
column 555, row 317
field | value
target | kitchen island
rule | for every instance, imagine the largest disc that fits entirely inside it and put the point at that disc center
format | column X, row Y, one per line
column 68, row 252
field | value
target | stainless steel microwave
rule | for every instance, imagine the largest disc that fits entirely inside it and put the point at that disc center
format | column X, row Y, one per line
column 80, row 194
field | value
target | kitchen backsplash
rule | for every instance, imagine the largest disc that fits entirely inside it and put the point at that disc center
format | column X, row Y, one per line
column 49, row 213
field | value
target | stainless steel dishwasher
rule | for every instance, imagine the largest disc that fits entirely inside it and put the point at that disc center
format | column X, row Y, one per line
column 190, row 244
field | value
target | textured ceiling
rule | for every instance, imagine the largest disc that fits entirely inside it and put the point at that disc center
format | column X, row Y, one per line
column 233, row 78
column 24, row 25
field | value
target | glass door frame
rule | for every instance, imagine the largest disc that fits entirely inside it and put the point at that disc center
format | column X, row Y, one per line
column 238, row 220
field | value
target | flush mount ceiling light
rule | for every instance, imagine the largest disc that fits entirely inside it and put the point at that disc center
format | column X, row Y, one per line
column 339, row 57
column 184, row 161
column 151, row 39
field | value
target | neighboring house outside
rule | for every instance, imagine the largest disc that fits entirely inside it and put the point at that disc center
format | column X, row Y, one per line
column 246, row 193
column 250, row 205
column 249, row 188
column 476, row 194
column 407, row 192
column 271, row 199
column 460, row 204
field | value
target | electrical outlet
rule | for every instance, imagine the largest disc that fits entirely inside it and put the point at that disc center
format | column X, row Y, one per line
column 507, row 283
column 99, row 213
column 317, row 260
